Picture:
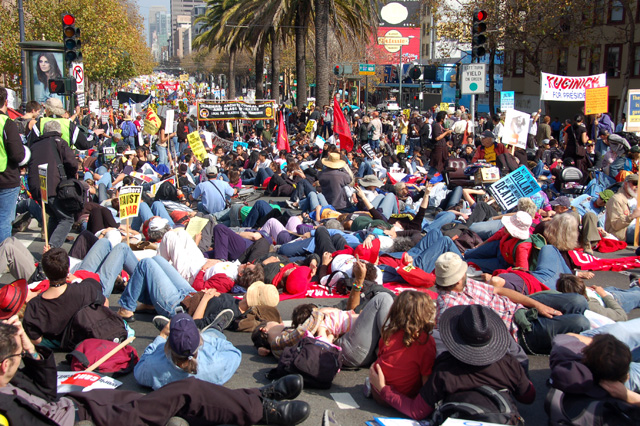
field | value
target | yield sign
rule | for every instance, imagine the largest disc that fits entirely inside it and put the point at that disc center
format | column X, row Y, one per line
column 77, row 72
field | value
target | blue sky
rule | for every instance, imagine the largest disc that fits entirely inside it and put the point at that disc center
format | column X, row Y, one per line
column 144, row 6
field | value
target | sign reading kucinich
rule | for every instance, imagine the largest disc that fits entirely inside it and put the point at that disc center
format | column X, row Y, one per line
column 473, row 79
column 517, row 184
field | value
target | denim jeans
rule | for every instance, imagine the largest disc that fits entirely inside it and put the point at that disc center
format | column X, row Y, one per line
column 441, row 218
column 429, row 248
column 105, row 176
column 543, row 330
column 163, row 158
column 403, row 139
column 628, row 332
column 550, row 266
column 60, row 222
column 107, row 262
column 145, row 213
column 628, row 299
column 388, row 204
column 313, row 200
column 365, row 169
column 453, row 197
column 155, row 282
column 375, row 144
column 487, row 228
column 131, row 141
column 32, row 207
column 261, row 175
column 8, row 200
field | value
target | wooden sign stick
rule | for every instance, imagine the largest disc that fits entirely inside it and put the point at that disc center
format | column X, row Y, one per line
column 109, row 354
column 637, row 230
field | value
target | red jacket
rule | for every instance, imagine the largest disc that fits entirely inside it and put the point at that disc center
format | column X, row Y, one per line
column 500, row 149
column 507, row 246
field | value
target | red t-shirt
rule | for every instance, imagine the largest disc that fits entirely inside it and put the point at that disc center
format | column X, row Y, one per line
column 403, row 367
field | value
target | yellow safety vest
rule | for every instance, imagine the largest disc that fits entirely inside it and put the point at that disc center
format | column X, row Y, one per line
column 65, row 127
column 3, row 151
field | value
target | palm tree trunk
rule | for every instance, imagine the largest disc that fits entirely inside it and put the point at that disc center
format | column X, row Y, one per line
column 322, row 59
column 232, row 75
column 259, row 57
column 626, row 73
column 301, row 55
column 275, row 67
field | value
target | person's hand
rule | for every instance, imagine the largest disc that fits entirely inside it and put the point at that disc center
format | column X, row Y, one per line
column 326, row 258
column 359, row 270
column 27, row 345
column 615, row 389
column 635, row 214
column 306, row 235
column 367, row 242
column 376, row 378
column 599, row 290
column 209, row 263
column 46, row 248
column 210, row 293
column 390, row 232
column 407, row 258
column 546, row 311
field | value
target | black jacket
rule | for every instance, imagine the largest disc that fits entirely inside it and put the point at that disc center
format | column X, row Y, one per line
column 78, row 139
column 10, row 178
column 43, row 151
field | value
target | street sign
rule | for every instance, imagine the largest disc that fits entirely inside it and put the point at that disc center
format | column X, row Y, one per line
column 81, row 99
column 473, row 79
column 633, row 111
column 77, row 72
column 507, row 100
column 367, row 69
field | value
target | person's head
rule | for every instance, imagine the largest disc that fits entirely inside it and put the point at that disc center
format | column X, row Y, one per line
column 569, row 283
column 607, row 358
column 451, row 272
column 155, row 228
column 630, row 185
column 561, row 204
column 401, row 190
column 440, row 116
column 234, row 176
column 487, row 138
column 52, row 126
column 10, row 352
column 527, row 205
column 562, row 232
column 301, row 313
column 634, row 153
column 54, row 107
column 4, row 95
column 265, row 333
column 55, row 264
column 250, row 274
column 47, row 68
column 263, row 155
column 33, row 108
column 603, row 197
column 579, row 118
column 413, row 313
column 495, row 118
column 589, row 146
column 183, row 343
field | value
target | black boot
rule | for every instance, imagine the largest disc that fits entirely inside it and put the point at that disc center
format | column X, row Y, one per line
column 284, row 412
column 287, row 387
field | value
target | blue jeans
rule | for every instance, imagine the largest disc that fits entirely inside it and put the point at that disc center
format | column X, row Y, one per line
column 486, row 229
column 145, row 213
column 313, row 200
column 155, row 282
column 550, row 266
column 388, row 204
column 107, row 262
column 32, row 207
column 429, row 248
column 375, row 144
column 8, row 201
column 163, row 157
column 487, row 257
column 441, row 218
column 403, row 139
column 105, row 176
column 365, row 169
column 628, row 299
column 131, row 140
column 628, row 333
column 453, row 197
column 543, row 330
column 261, row 175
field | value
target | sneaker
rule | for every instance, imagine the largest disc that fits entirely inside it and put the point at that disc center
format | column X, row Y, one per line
column 222, row 320
column 634, row 280
column 291, row 204
column 160, row 322
column 21, row 223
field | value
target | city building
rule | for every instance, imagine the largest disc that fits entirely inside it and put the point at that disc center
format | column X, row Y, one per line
column 181, row 24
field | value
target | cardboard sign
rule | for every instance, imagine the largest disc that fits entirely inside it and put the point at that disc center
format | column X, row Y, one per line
column 407, row 113
column 151, row 122
column 105, row 117
column 596, row 100
column 115, row 104
column 109, row 153
column 517, row 184
column 399, row 149
column 94, row 107
column 195, row 142
column 444, row 106
column 633, row 111
column 130, row 201
column 516, row 128
column 42, row 172
column 367, row 150
column 83, row 381
column 168, row 125
column 563, row 88
column 311, row 125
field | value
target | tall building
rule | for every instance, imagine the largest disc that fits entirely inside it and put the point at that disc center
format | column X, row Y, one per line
column 181, row 11
column 159, row 32
column 152, row 20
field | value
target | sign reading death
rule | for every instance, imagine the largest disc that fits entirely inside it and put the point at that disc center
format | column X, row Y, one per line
column 129, row 201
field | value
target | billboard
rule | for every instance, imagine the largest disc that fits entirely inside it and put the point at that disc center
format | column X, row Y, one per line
column 405, row 14
column 410, row 50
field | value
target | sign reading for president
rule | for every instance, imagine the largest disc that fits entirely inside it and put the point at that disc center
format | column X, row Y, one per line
column 563, row 88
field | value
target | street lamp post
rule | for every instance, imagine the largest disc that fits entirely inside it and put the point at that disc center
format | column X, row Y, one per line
column 400, row 80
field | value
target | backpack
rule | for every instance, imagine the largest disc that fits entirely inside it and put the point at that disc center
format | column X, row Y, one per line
column 94, row 321
column 318, row 362
column 70, row 192
column 126, row 129
column 505, row 411
column 91, row 350
column 537, row 242
column 580, row 410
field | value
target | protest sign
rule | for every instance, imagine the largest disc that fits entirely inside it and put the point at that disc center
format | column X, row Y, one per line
column 507, row 100
column 311, row 126
column 633, row 111
column 407, row 112
column 94, row 107
column 168, row 125
column 230, row 128
column 564, row 88
column 399, row 149
column 367, row 150
column 235, row 110
column 154, row 188
column 225, row 144
column 104, row 117
column 83, row 381
column 109, row 153
column 152, row 122
column 42, row 173
column 141, row 177
column 129, row 201
column 518, row 184
column 242, row 144
column 195, row 142
column 516, row 128
column 115, row 104
column 596, row 100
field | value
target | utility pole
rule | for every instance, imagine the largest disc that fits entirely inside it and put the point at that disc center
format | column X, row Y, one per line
column 23, row 59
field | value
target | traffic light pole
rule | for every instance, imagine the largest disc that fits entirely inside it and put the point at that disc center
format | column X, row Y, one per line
column 23, row 60
column 400, row 79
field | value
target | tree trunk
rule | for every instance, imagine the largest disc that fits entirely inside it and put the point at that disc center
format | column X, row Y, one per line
column 631, row 35
column 259, row 57
column 322, row 59
column 275, row 67
column 301, row 55
column 231, row 94
column 492, row 98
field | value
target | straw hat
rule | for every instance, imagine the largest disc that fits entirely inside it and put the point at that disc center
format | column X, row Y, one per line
column 333, row 161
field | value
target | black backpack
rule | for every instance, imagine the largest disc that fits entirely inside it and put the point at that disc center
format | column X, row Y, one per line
column 318, row 362
column 94, row 321
column 70, row 193
column 504, row 412
column 580, row 410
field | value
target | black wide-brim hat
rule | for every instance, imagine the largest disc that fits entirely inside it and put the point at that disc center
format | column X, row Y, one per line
column 474, row 334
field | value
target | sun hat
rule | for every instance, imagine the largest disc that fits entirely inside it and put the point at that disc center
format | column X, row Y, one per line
column 261, row 294
column 12, row 297
column 606, row 195
column 370, row 180
column 474, row 334
column 184, row 337
column 631, row 178
column 518, row 225
column 450, row 268
column 333, row 161
column 561, row 201
column 54, row 106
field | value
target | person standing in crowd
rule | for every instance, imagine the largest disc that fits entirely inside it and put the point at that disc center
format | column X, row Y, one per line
column 377, row 131
column 70, row 133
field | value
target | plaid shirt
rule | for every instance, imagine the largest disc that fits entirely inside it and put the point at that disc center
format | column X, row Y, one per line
column 478, row 293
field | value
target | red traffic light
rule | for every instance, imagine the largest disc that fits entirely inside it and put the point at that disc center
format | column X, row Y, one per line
column 68, row 19
column 479, row 15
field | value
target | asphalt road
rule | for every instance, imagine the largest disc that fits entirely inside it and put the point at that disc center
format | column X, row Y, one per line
column 254, row 367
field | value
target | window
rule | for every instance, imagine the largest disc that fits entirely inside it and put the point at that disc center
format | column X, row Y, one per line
column 636, row 61
column 563, row 56
column 582, row 58
column 616, row 11
column 613, row 57
column 598, row 11
column 594, row 63
column 518, row 63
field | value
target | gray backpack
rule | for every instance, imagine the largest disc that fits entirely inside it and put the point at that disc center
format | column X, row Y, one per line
column 566, row 409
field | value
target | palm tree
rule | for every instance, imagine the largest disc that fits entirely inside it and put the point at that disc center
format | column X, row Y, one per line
column 322, row 58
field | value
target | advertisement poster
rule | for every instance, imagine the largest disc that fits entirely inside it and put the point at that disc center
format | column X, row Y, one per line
column 44, row 67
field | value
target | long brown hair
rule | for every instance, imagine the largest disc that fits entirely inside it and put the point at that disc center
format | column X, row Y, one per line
column 186, row 363
column 413, row 312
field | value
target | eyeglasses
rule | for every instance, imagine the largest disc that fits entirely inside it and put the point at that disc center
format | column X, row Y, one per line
column 21, row 355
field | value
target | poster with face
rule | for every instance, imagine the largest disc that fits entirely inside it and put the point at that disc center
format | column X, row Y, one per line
column 45, row 66
column 516, row 128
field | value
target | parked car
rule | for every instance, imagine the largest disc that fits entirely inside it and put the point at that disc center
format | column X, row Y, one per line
column 388, row 106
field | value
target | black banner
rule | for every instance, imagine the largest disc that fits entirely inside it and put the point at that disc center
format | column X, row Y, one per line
column 236, row 110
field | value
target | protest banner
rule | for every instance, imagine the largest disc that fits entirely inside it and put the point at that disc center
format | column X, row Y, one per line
column 225, row 144
column 564, row 88
column 109, row 153
column 516, row 128
column 42, row 173
column 633, row 111
column 596, row 100
column 129, row 198
column 169, row 117
column 235, row 110
column 311, row 126
column 195, row 142
column 518, row 184
column 152, row 122
column 83, row 381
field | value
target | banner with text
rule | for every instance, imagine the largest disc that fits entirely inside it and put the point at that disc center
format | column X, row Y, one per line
column 563, row 88
column 195, row 142
column 129, row 201
column 225, row 144
column 596, row 100
column 518, row 184
column 236, row 110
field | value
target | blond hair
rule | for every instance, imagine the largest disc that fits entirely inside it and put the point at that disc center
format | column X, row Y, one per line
column 563, row 232
column 527, row 205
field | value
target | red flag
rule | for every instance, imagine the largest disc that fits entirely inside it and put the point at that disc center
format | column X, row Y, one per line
column 341, row 128
column 283, row 139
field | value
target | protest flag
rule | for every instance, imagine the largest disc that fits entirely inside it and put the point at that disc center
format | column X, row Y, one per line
column 283, row 139
column 341, row 128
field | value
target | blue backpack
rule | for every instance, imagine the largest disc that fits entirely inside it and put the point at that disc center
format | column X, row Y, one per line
column 126, row 129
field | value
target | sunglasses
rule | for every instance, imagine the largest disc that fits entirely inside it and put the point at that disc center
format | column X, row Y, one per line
column 21, row 355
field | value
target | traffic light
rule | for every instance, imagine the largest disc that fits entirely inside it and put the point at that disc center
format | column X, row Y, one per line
column 70, row 39
column 430, row 73
column 56, row 85
column 415, row 73
column 337, row 70
column 478, row 34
